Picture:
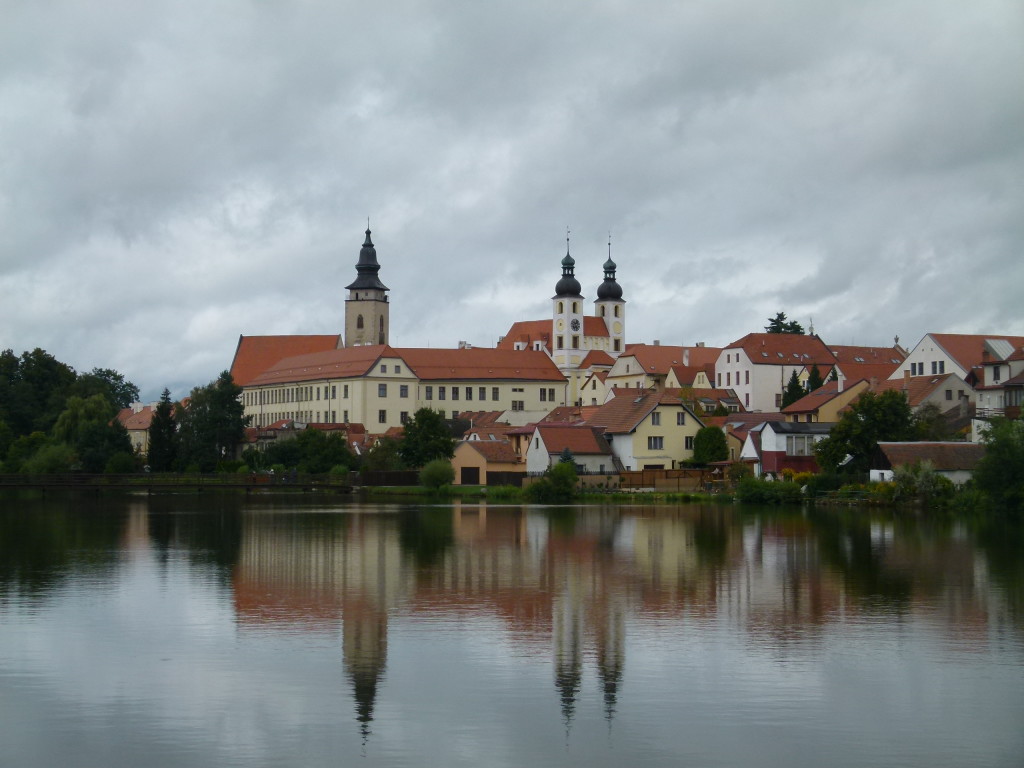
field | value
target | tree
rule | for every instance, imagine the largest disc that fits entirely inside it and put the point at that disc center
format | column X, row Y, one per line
column 557, row 485
column 426, row 438
column 709, row 445
column 437, row 473
column 80, row 413
column 931, row 425
column 1000, row 472
column 814, row 380
column 793, row 392
column 99, row 442
column 163, row 435
column 385, row 456
column 109, row 383
column 33, row 390
column 212, row 425
column 779, row 324
column 870, row 419
column 566, row 457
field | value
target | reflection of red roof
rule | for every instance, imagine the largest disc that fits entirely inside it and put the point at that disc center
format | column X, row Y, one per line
column 255, row 354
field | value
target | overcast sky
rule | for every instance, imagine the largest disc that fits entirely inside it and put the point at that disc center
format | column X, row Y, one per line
column 176, row 173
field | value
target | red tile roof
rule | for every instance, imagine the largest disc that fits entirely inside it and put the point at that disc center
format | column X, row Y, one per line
column 569, row 414
column 597, row 357
column 784, row 349
column 579, row 439
column 527, row 332
column 918, row 388
column 943, row 456
column 687, row 374
column 969, row 349
column 496, row 451
column 629, row 407
column 480, row 364
column 866, row 371
column 133, row 421
column 868, row 355
column 812, row 401
column 594, row 326
column 335, row 363
column 255, row 354
column 660, row 358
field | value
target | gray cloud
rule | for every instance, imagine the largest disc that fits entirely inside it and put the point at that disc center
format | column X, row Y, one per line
column 175, row 174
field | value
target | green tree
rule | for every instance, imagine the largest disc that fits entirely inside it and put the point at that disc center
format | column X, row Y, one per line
column 80, row 413
column 50, row 459
column 814, row 379
column 793, row 392
column 558, row 485
column 23, row 448
column 870, row 419
column 33, row 390
column 931, row 425
column 709, row 445
column 212, row 425
column 97, row 442
column 426, row 438
column 319, row 451
column 1000, row 473
column 163, row 435
column 385, row 456
column 437, row 474
column 566, row 456
column 779, row 324
column 107, row 382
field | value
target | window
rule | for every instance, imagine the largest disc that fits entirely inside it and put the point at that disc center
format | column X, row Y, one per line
column 617, row 345
column 344, row 416
column 318, row 393
column 995, row 373
column 689, row 442
column 441, row 394
column 334, row 417
column 949, row 394
column 428, row 393
column 482, row 393
column 746, row 400
column 536, row 442
column 561, row 342
column 403, row 417
column 778, row 401
column 543, row 395
column 575, row 342
column 551, row 394
column 455, row 415
column 728, row 379
column 494, row 393
column 398, row 369
column 942, row 366
column 935, row 367
column 334, row 392
column 799, row 445
column 359, row 321
column 455, row 393
column 518, row 405
column 719, row 380
column 469, row 393
column 382, row 417
column 616, row 310
column 746, row 377
column 656, row 419
column 655, row 443
column 561, row 307
column 344, row 390
column 680, row 418
column 382, row 390
column 575, row 307
column 383, row 368
column 403, row 390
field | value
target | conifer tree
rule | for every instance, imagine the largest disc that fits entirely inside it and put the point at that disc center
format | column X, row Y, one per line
column 163, row 436
column 793, row 391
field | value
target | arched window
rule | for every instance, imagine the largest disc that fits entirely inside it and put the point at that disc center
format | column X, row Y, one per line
column 359, row 321
column 380, row 332
column 602, row 311
column 616, row 310
column 561, row 308
column 575, row 307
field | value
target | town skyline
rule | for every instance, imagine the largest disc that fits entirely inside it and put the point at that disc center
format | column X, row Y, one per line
column 179, row 176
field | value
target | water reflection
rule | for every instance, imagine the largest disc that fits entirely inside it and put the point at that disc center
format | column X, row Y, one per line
column 583, row 592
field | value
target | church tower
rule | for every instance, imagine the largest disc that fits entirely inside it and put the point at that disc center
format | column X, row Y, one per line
column 611, row 307
column 366, row 308
column 567, row 316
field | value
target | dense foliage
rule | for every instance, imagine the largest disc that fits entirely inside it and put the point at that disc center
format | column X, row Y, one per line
column 794, row 391
column 709, row 445
column 853, row 441
column 427, row 437
column 557, row 486
column 1000, row 473
column 779, row 324
column 437, row 474
column 212, row 425
column 311, row 451
column 163, row 436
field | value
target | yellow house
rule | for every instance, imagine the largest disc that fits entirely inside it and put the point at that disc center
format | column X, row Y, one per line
column 826, row 403
column 476, row 461
column 648, row 430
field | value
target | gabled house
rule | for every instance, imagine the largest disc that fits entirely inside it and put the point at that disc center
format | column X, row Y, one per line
column 646, row 366
column 737, row 426
column 773, row 446
column 946, row 391
column 960, row 353
column 476, row 462
column 136, row 419
column 759, row 365
column 825, row 403
column 1001, row 389
column 589, row 448
column 648, row 429
column 955, row 461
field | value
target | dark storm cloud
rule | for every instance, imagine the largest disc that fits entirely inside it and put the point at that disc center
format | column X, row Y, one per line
column 175, row 174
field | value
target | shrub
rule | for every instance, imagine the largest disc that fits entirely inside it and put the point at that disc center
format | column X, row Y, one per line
column 437, row 474
column 120, row 464
column 802, row 478
column 557, row 485
column 751, row 490
column 788, row 474
column 49, row 460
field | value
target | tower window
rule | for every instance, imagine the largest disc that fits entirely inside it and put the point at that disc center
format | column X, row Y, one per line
column 561, row 307
column 359, row 321
column 575, row 307
column 616, row 310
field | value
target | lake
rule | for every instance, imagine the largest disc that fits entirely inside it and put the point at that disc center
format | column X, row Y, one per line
column 307, row 631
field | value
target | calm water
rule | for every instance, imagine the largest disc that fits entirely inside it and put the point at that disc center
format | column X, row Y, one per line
column 208, row 632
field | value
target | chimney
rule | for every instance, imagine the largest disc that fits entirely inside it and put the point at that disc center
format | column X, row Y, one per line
column 906, row 380
column 873, row 384
column 657, row 342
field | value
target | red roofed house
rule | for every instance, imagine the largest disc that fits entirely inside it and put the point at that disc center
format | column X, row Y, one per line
column 959, row 353
column 587, row 444
column 643, row 366
column 759, row 365
column 476, row 462
column 955, row 461
column 1001, row 386
column 648, row 429
column 826, row 403
column 136, row 419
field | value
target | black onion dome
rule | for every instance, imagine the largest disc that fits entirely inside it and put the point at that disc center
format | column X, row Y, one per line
column 367, row 268
column 568, row 285
column 609, row 289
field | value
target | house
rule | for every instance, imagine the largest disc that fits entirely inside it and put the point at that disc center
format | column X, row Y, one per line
column 759, row 365
column 589, row 448
column 955, row 461
column 136, row 419
column 960, row 353
column 773, row 446
column 1000, row 391
column 826, row 403
column 945, row 391
column 737, row 426
column 486, row 462
column 646, row 366
column 649, row 429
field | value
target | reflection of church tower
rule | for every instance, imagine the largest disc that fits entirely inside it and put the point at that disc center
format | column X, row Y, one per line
column 611, row 654
column 567, row 321
column 568, row 636
column 365, row 649
column 366, row 308
column 611, row 306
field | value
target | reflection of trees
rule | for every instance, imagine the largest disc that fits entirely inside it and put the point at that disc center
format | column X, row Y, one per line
column 1003, row 545
column 425, row 534
column 43, row 541
column 210, row 531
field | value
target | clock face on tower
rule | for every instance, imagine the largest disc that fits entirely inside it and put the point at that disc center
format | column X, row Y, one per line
column 575, row 324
